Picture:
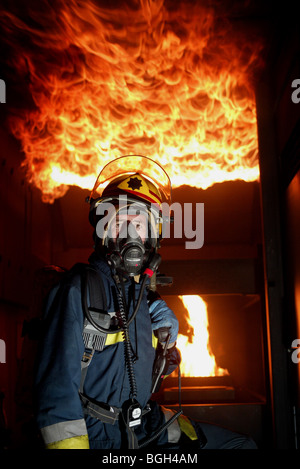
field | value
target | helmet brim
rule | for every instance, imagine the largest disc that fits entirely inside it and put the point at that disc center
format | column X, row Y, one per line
column 131, row 164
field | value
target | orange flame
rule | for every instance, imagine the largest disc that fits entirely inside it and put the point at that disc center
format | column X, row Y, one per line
column 174, row 84
column 197, row 359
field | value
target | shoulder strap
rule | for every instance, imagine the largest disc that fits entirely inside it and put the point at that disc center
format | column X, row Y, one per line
column 93, row 280
column 96, row 290
column 97, row 320
column 92, row 283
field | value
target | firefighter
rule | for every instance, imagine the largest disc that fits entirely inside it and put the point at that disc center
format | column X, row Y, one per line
column 99, row 361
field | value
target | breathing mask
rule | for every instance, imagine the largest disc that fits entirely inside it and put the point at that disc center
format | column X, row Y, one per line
column 126, row 212
column 130, row 238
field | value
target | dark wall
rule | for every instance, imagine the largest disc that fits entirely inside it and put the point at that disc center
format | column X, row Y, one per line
column 278, row 131
column 292, row 249
column 25, row 246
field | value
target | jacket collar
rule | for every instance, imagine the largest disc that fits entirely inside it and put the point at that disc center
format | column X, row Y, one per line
column 100, row 264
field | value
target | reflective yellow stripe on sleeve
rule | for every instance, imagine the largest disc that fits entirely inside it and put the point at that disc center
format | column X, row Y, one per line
column 187, row 428
column 64, row 433
column 76, row 442
column 154, row 341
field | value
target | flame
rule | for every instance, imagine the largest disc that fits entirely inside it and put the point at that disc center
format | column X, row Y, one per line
column 197, row 359
column 173, row 83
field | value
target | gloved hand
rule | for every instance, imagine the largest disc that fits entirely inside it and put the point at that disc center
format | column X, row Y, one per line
column 163, row 316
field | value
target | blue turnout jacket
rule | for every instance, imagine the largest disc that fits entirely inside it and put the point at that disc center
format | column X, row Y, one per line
column 60, row 415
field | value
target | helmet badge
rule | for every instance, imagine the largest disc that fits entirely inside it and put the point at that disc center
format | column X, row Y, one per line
column 134, row 183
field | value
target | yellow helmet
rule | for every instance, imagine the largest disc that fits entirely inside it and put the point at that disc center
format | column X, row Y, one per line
column 135, row 185
column 138, row 177
column 130, row 183
column 135, row 175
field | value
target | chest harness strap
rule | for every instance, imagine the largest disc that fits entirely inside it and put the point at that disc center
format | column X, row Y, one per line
column 96, row 327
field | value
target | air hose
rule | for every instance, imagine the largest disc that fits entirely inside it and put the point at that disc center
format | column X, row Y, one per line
column 127, row 345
